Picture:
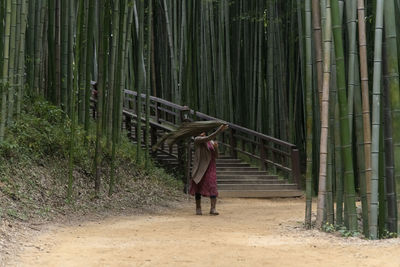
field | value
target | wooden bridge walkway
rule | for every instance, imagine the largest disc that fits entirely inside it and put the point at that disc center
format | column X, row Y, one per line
column 251, row 164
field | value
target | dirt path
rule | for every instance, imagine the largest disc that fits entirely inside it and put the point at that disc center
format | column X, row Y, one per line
column 247, row 233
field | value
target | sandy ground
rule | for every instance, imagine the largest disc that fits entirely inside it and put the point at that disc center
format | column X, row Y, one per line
column 249, row 232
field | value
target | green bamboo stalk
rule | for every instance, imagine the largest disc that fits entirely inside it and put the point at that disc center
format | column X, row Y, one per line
column 316, row 19
column 38, row 45
column 64, row 57
column 12, row 63
column 309, row 118
column 383, row 214
column 57, row 53
column 70, row 74
column 388, row 163
column 365, row 103
column 141, row 76
column 393, row 84
column 21, row 56
column 74, row 93
column 376, row 95
column 339, row 167
column 228, row 62
column 148, row 85
column 102, row 44
column 2, row 28
column 5, row 77
column 122, row 21
column 30, row 44
column 331, row 178
column 176, row 96
column 83, row 66
column 89, row 64
column 113, row 59
column 351, row 15
column 321, row 208
column 344, row 123
column 50, row 20
column 360, row 148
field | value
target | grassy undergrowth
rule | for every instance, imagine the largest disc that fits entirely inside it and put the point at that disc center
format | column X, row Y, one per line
column 34, row 171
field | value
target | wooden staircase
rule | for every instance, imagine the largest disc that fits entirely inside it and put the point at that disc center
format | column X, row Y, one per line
column 237, row 178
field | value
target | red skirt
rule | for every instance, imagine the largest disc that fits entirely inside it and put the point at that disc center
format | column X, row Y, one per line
column 208, row 184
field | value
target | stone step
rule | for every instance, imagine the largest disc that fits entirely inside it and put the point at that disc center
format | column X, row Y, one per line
column 260, row 193
column 249, row 181
column 264, row 187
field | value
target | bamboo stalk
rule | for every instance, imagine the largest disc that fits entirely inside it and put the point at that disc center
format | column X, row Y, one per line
column 376, row 95
column 321, row 210
column 393, row 86
column 309, row 113
column 365, row 98
column 5, row 77
column 344, row 123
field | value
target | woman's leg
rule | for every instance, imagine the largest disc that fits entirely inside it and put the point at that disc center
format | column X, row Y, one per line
column 213, row 210
column 198, row 204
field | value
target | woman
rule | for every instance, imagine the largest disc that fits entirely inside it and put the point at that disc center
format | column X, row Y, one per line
column 204, row 175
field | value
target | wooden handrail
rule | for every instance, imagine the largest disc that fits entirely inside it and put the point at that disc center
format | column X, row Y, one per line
column 246, row 130
column 283, row 155
column 156, row 99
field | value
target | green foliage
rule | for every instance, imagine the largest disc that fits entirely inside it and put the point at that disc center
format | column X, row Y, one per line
column 34, row 168
column 344, row 232
column 386, row 234
column 41, row 130
column 329, row 228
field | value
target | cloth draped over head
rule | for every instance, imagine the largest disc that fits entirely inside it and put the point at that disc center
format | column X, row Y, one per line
column 185, row 130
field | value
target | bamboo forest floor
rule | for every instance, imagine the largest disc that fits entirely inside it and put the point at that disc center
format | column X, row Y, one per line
column 249, row 232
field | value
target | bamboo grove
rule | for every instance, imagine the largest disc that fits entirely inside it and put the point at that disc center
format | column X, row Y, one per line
column 323, row 74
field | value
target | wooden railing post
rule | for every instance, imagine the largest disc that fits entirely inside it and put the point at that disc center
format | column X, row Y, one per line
column 296, row 167
column 157, row 111
column 188, row 165
column 184, row 114
column 182, row 145
column 263, row 155
column 233, row 143
column 128, row 126
column 94, row 109
column 153, row 135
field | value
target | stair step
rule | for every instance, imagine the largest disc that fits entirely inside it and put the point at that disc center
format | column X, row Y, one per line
column 238, row 169
column 260, row 193
column 250, row 181
column 219, row 160
column 264, row 187
column 239, row 172
column 246, row 176
column 225, row 157
column 162, row 155
column 234, row 164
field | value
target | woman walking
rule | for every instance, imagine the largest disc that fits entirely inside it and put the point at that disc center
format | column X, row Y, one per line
column 204, row 175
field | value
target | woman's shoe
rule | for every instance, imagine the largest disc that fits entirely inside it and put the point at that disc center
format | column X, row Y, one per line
column 198, row 207
column 213, row 211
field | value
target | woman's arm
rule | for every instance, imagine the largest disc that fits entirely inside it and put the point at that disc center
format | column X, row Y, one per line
column 216, row 152
column 204, row 139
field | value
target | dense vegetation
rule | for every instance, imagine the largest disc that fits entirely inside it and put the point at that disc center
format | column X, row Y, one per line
column 322, row 74
column 34, row 171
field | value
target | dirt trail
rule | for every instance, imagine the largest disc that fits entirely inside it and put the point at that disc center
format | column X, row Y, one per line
column 247, row 233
